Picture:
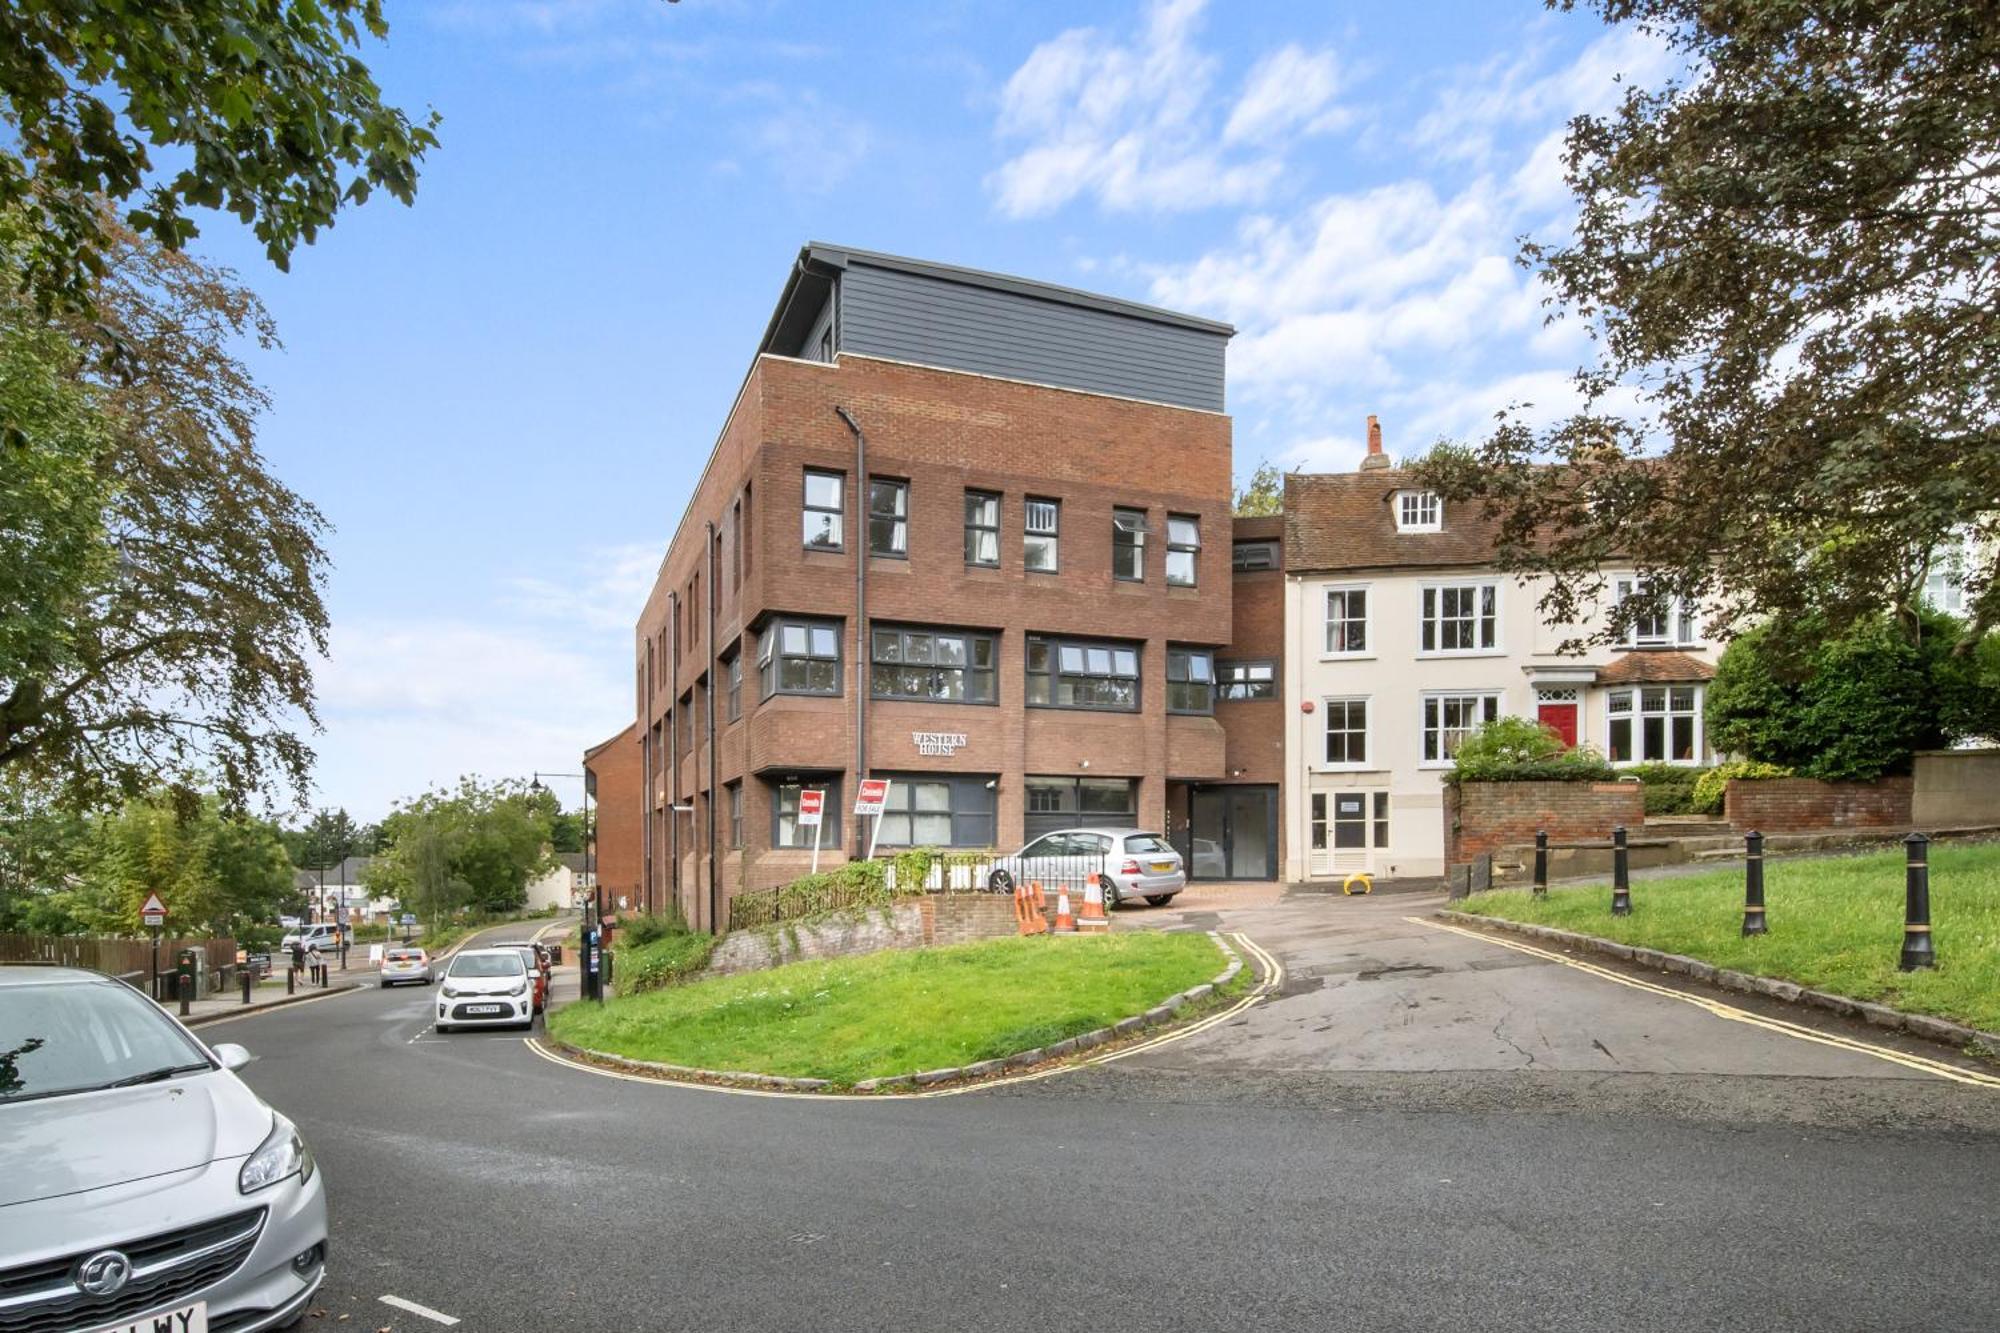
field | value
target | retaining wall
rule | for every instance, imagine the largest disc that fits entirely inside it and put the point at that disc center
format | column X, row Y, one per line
column 1483, row 817
column 1788, row 805
column 912, row 923
column 1956, row 788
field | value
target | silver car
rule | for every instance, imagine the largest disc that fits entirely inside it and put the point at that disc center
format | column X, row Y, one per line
column 141, row 1182
column 401, row 963
column 1131, row 863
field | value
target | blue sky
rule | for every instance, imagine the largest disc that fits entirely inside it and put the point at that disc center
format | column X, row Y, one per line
column 501, row 396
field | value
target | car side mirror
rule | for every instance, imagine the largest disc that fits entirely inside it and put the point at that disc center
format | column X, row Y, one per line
column 232, row 1056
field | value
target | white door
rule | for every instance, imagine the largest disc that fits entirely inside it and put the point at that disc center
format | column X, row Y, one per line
column 1348, row 827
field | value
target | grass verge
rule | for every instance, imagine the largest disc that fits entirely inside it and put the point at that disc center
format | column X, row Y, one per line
column 899, row 1011
column 1836, row 924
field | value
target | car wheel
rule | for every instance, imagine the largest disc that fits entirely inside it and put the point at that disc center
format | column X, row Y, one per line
column 1110, row 887
column 1000, row 882
column 1159, row 899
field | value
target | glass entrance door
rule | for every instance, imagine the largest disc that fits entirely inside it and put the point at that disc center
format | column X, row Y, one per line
column 1232, row 833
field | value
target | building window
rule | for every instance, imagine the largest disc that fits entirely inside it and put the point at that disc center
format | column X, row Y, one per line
column 889, row 518
column 786, row 831
column 1654, row 724
column 982, row 528
column 1248, row 557
column 1450, row 718
column 933, row 810
column 734, row 698
column 1661, row 623
column 1128, row 544
column 1040, row 533
column 749, row 543
column 735, row 790
column 1346, row 620
column 825, row 510
column 1183, row 546
column 1348, row 823
column 1059, row 803
column 1347, row 732
column 1065, row 673
column 1461, row 618
column 1419, row 511
column 1190, row 680
column 1241, row 681
column 799, row 657
column 943, row 666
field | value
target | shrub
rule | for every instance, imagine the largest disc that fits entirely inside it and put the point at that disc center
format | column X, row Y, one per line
column 1710, row 788
column 638, row 930
column 1516, row 749
column 1669, row 788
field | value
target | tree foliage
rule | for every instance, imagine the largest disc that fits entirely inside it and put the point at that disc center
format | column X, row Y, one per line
column 478, row 846
column 262, row 109
column 1786, row 257
column 1519, row 749
column 1265, row 495
column 1850, row 706
column 162, row 590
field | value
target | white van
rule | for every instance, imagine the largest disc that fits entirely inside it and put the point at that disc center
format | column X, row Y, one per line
column 326, row 934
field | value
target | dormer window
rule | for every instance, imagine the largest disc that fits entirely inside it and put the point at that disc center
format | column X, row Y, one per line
column 1419, row 511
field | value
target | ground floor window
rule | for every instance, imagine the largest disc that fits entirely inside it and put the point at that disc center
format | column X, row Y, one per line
column 1450, row 718
column 1060, row 803
column 940, row 810
column 1654, row 724
column 786, row 831
column 1347, row 820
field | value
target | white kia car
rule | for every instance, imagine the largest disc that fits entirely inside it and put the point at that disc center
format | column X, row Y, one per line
column 142, row 1184
column 486, row 988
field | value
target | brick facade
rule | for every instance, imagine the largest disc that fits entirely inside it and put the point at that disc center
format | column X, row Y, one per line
column 617, row 780
column 1793, row 805
column 1483, row 817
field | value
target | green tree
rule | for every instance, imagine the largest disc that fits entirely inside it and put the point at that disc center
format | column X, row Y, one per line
column 265, row 110
column 1787, row 254
column 173, row 603
column 328, row 839
column 477, row 846
column 1265, row 495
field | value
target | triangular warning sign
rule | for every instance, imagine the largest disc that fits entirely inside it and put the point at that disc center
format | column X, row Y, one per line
column 153, row 906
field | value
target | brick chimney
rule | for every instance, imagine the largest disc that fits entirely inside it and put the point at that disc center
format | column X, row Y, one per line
column 1376, row 460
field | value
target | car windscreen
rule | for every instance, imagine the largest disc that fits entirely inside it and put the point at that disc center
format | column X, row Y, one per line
column 61, row 1038
column 1146, row 844
column 487, row 965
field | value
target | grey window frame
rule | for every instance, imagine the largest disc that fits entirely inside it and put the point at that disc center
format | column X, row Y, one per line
column 1184, row 659
column 829, row 832
column 970, row 826
column 898, row 518
column 1240, row 689
column 733, row 695
column 1053, row 535
column 735, row 790
column 885, row 669
column 1191, row 548
column 1129, row 527
column 838, row 510
column 1264, row 553
column 771, row 655
column 975, row 529
column 1054, row 645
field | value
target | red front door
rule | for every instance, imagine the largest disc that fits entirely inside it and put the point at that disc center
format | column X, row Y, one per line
column 1561, row 717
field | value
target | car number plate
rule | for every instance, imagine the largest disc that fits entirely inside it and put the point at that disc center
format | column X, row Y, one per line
column 485, row 1008
column 186, row 1319
column 1162, row 867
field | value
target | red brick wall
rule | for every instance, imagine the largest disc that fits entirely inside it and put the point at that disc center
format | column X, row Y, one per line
column 617, row 766
column 1482, row 817
column 1786, row 805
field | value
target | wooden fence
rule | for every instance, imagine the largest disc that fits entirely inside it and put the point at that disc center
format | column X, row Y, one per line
column 112, row 956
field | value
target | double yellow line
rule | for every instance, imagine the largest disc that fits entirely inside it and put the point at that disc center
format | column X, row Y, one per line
column 1729, row 1012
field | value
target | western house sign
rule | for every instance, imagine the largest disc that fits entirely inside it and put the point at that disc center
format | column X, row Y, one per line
column 938, row 742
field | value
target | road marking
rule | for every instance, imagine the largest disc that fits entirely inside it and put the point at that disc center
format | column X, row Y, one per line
column 435, row 1316
column 1274, row 974
column 1923, row 1064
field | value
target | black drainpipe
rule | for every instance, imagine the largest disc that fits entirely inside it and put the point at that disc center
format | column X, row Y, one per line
column 715, row 923
column 860, row 619
column 674, row 740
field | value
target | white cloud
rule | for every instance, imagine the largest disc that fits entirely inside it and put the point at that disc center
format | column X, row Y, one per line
column 1134, row 123
column 604, row 591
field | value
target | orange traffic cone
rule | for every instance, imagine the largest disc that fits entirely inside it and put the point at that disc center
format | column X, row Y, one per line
column 1093, row 906
column 1037, row 909
column 1065, row 923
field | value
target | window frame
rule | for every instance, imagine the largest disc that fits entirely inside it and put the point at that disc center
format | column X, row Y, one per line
column 1129, row 522
column 837, row 510
column 735, row 810
column 957, row 785
column 1224, row 683
column 1189, row 546
column 1054, row 644
column 1188, row 657
column 1430, row 627
column 1491, row 704
column 1420, row 500
column 975, row 495
column 898, row 518
column 1053, row 535
column 1678, row 625
column 880, row 668
column 1268, row 546
column 1344, row 591
column 1366, row 731
column 771, row 656
column 1636, row 715
column 830, row 832
column 733, row 693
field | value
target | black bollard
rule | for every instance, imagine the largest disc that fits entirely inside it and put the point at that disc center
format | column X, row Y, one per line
column 1753, row 883
column 1541, row 863
column 1917, row 948
column 291, row 979
column 1621, row 876
column 246, row 984
column 186, row 986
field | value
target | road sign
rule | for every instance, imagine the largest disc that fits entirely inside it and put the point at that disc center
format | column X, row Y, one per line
column 409, row 918
column 811, row 803
column 153, row 912
column 874, row 794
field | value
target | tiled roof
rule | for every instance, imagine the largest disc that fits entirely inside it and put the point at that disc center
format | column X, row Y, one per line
column 1654, row 667
column 1346, row 521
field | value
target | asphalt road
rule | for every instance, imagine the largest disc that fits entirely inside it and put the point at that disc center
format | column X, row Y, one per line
column 1421, row 1131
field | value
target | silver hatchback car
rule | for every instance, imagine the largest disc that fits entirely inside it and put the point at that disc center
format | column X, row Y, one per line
column 141, row 1182
column 1131, row 863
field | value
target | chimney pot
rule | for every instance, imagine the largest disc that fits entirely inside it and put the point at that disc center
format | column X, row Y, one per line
column 1376, row 459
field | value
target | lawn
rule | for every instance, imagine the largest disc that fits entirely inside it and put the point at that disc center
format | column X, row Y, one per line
column 899, row 1011
column 1836, row 924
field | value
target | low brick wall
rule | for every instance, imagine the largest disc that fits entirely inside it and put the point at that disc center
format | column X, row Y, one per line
column 1483, row 817
column 1790, row 805
column 913, row 923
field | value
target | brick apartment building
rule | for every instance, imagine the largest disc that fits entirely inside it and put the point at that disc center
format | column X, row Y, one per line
column 971, row 533
column 613, row 775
